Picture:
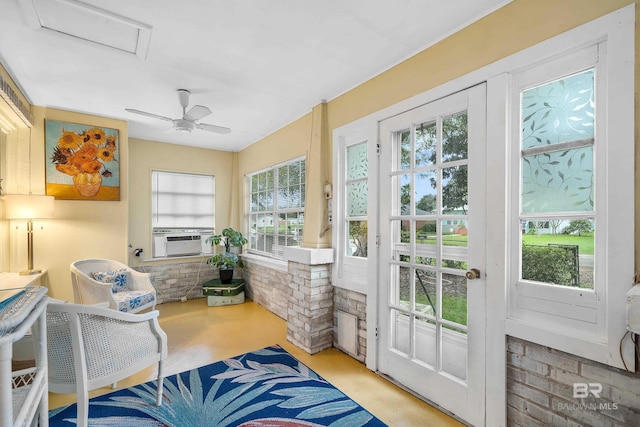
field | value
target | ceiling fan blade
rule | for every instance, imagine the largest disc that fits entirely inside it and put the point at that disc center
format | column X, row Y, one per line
column 197, row 112
column 144, row 113
column 212, row 128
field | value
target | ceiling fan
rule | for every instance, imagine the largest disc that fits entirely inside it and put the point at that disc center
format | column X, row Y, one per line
column 188, row 121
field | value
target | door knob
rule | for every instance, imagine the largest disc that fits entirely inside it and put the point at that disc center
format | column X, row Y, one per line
column 472, row 274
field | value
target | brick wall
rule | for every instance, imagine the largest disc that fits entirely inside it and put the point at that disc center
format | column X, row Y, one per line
column 267, row 287
column 174, row 281
column 353, row 303
column 540, row 389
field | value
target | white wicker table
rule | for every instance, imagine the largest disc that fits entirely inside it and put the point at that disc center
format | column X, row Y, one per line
column 24, row 393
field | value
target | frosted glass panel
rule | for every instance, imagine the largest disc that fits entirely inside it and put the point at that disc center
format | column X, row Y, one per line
column 357, row 198
column 357, row 166
column 560, row 181
column 560, row 111
column 558, row 178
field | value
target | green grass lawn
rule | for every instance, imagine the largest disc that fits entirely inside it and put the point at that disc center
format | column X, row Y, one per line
column 447, row 239
column 453, row 308
column 585, row 243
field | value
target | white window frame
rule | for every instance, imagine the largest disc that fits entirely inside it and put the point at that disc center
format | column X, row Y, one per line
column 276, row 211
column 349, row 272
column 596, row 331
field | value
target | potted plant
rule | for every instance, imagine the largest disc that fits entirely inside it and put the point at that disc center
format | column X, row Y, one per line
column 227, row 260
column 229, row 238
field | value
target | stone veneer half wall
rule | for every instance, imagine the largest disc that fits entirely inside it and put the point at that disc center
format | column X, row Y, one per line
column 301, row 294
column 267, row 286
column 174, row 281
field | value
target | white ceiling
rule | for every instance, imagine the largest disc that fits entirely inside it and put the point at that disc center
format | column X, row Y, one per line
column 257, row 64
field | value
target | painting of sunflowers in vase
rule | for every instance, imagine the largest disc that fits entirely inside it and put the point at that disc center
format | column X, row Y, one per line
column 82, row 161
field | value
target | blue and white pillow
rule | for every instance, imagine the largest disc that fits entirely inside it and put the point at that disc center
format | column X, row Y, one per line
column 117, row 278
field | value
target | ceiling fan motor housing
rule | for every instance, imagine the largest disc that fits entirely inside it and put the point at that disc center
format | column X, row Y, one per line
column 183, row 125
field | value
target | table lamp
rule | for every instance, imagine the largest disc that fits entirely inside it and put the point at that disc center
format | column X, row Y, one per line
column 28, row 207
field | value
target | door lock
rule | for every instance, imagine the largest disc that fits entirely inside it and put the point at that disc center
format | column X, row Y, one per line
column 473, row 274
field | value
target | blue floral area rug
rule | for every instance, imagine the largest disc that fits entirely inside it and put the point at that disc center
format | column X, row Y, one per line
column 267, row 387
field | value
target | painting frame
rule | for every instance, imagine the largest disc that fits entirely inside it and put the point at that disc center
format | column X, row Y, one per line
column 82, row 162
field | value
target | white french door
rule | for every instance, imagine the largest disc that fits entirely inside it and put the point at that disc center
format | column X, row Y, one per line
column 431, row 305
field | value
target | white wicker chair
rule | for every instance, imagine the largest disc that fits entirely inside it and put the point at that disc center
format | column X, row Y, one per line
column 86, row 290
column 93, row 346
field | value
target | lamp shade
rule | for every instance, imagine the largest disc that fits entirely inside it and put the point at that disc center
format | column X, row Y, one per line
column 28, row 206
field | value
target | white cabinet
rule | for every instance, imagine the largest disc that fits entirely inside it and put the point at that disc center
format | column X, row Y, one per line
column 24, row 393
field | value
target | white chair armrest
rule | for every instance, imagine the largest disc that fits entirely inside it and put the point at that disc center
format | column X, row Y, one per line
column 138, row 281
column 94, row 292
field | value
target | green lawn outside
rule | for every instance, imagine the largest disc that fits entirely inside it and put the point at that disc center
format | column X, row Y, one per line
column 447, row 239
column 585, row 243
column 454, row 308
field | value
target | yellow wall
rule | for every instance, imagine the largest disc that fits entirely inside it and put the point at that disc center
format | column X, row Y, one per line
column 292, row 141
column 147, row 155
column 81, row 228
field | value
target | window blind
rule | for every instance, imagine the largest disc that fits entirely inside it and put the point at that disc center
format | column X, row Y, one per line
column 181, row 200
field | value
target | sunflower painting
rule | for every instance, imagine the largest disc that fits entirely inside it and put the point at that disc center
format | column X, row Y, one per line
column 82, row 162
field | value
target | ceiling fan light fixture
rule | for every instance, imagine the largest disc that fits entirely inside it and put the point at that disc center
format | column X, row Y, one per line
column 188, row 121
column 181, row 125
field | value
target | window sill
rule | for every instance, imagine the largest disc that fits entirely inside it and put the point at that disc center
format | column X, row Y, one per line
column 263, row 261
column 579, row 345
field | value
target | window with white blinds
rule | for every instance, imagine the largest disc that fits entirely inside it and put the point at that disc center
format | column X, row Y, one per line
column 182, row 200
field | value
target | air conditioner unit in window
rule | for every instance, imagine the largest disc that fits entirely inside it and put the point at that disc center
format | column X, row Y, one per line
column 180, row 244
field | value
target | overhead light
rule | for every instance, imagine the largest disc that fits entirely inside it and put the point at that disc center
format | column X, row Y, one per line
column 88, row 23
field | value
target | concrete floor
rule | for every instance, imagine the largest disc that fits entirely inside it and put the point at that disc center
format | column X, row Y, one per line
column 199, row 335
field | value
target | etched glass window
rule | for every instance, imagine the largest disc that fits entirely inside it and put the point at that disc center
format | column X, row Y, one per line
column 557, row 181
column 356, row 200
